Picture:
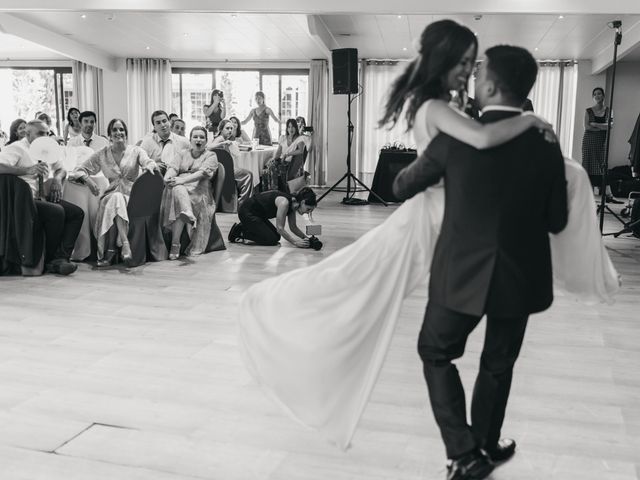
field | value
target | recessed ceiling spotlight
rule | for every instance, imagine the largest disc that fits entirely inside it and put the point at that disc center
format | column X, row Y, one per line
column 404, row 49
column 560, row 17
column 475, row 33
column 234, row 15
column 535, row 49
column 83, row 16
column 147, row 48
column 399, row 16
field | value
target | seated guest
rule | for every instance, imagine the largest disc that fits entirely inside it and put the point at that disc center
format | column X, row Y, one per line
column 178, row 126
column 274, row 176
column 73, row 128
column 121, row 164
column 162, row 145
column 87, row 136
column 188, row 199
column 242, row 176
column 255, row 215
column 304, row 135
column 238, row 134
column 17, row 130
column 61, row 220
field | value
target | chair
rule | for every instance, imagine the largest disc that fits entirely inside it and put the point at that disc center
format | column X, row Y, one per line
column 229, row 194
column 296, row 166
column 145, row 232
column 21, row 235
column 216, row 242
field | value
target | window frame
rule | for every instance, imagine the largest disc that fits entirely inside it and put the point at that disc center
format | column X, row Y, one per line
column 261, row 72
column 58, row 91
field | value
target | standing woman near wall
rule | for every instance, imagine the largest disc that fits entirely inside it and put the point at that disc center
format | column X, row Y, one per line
column 594, row 139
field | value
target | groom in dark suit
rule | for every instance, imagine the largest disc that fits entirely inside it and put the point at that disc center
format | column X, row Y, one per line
column 492, row 258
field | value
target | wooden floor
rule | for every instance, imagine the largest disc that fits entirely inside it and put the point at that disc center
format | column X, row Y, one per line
column 135, row 374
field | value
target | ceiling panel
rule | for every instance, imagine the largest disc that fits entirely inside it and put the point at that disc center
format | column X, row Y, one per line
column 278, row 37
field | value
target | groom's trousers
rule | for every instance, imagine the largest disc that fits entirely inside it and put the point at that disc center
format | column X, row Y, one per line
column 442, row 339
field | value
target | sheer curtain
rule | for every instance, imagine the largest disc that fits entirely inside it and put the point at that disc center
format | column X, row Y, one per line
column 318, row 90
column 554, row 97
column 148, row 89
column 377, row 77
column 87, row 82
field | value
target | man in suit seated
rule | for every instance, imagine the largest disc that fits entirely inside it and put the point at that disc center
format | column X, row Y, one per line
column 61, row 220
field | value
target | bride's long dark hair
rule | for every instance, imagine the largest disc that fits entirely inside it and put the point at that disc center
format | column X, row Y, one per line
column 442, row 45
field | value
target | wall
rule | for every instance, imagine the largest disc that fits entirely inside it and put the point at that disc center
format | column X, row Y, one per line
column 114, row 88
column 626, row 107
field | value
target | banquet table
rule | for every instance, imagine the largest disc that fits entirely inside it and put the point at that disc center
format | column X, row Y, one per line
column 254, row 160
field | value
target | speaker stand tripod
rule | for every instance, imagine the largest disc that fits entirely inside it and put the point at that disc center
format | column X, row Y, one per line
column 349, row 198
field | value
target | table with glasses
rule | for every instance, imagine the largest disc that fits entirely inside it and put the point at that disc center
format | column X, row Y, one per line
column 254, row 160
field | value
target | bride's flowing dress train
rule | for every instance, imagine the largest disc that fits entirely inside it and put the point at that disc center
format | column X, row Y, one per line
column 315, row 338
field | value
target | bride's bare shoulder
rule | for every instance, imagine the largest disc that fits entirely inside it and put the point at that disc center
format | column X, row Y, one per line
column 426, row 114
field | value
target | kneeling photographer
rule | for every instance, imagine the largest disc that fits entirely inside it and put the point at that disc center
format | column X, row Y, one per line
column 255, row 214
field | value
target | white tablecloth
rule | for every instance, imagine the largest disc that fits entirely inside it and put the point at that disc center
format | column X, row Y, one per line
column 254, row 161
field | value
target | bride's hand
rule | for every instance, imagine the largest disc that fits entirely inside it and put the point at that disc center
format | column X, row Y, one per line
column 545, row 127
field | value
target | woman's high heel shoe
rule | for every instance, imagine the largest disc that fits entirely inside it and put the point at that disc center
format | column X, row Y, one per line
column 175, row 251
column 107, row 259
column 126, row 253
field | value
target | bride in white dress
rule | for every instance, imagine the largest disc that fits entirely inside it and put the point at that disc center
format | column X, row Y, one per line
column 319, row 357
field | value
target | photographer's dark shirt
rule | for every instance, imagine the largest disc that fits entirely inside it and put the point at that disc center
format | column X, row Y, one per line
column 264, row 204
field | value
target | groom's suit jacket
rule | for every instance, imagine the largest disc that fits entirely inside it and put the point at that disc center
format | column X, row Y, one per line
column 493, row 253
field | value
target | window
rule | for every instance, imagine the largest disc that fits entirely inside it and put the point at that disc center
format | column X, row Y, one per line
column 286, row 92
column 29, row 91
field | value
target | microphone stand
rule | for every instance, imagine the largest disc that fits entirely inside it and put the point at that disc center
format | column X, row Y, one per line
column 617, row 24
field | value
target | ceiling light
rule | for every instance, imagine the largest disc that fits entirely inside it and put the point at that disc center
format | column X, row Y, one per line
column 399, row 17
column 535, row 49
column 560, row 17
column 83, row 16
column 147, row 48
column 404, row 49
column 233, row 15
column 185, row 34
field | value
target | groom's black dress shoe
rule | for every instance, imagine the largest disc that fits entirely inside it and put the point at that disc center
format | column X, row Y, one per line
column 472, row 466
column 503, row 451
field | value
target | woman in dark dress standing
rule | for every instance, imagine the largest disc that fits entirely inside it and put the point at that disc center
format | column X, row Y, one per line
column 256, row 212
column 594, row 139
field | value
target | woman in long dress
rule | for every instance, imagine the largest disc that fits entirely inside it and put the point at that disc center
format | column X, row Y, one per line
column 188, row 199
column 274, row 175
column 121, row 164
column 320, row 356
column 260, row 116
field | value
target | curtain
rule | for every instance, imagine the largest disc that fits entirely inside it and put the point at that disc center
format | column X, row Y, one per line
column 87, row 82
column 554, row 98
column 377, row 77
column 318, row 108
column 148, row 89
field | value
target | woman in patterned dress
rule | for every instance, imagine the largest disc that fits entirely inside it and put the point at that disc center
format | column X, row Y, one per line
column 260, row 115
column 121, row 164
column 594, row 139
column 188, row 199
